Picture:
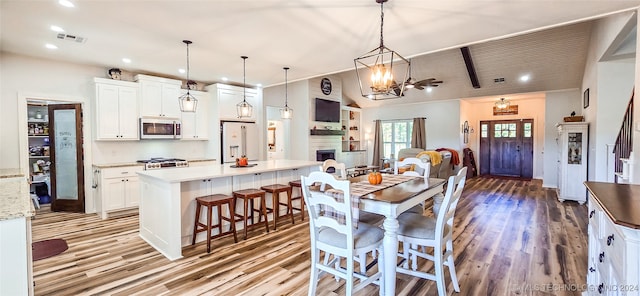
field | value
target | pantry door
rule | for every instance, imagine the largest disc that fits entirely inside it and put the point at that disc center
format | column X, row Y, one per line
column 506, row 148
column 67, row 170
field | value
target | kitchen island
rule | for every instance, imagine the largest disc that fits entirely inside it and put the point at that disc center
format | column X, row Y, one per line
column 16, row 210
column 167, row 196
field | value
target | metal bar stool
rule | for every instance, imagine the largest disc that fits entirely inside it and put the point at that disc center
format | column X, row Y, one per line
column 210, row 201
column 297, row 184
column 275, row 190
column 248, row 195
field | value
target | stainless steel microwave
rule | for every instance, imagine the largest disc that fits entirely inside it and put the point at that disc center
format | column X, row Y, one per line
column 160, row 128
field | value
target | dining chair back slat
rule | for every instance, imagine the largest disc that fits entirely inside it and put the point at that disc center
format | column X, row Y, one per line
column 337, row 239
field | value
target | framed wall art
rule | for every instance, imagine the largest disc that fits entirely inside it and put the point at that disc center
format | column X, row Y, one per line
column 585, row 99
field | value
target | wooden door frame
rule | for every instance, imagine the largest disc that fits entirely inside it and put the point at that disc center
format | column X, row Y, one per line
column 23, row 141
column 485, row 162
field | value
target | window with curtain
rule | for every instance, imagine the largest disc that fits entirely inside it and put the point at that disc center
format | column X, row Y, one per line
column 396, row 134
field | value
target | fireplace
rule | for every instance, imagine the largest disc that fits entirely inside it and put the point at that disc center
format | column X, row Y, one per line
column 322, row 155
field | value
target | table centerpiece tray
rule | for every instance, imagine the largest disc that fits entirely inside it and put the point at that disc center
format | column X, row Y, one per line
column 244, row 166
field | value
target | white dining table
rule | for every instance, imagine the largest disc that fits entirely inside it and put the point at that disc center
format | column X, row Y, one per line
column 391, row 202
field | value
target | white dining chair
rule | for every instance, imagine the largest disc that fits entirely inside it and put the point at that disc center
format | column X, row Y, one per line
column 421, row 169
column 339, row 167
column 417, row 232
column 338, row 239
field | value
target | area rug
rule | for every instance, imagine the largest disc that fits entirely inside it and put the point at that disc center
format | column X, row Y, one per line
column 48, row 248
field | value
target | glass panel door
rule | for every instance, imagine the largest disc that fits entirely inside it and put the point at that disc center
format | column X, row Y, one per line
column 67, row 174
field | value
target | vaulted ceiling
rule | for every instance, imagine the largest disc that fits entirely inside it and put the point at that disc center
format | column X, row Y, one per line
column 316, row 38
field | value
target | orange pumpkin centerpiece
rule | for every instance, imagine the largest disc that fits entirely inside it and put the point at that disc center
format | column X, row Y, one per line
column 375, row 178
column 243, row 161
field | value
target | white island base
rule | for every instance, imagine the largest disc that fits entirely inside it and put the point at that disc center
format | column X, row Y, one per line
column 167, row 197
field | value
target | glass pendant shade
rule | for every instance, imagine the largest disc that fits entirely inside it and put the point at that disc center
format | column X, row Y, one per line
column 286, row 112
column 244, row 109
column 502, row 104
column 188, row 103
column 382, row 73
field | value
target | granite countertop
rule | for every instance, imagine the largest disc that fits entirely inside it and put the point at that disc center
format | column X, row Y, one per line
column 15, row 200
column 621, row 202
column 10, row 173
column 116, row 165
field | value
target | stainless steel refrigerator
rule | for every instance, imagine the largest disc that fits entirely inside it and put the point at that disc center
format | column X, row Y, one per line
column 238, row 139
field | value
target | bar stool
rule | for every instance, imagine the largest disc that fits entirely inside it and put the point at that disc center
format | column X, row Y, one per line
column 297, row 184
column 210, row 201
column 248, row 195
column 275, row 190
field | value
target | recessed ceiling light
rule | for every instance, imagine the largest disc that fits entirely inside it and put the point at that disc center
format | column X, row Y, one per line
column 259, row 85
column 50, row 46
column 66, row 3
column 225, row 78
column 182, row 71
column 525, row 78
column 126, row 60
column 57, row 29
column 429, row 89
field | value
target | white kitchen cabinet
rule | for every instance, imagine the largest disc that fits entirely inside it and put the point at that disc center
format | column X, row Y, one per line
column 159, row 96
column 195, row 125
column 118, row 189
column 191, row 190
column 229, row 96
column 573, row 138
column 613, row 265
column 116, row 110
column 285, row 176
column 255, row 180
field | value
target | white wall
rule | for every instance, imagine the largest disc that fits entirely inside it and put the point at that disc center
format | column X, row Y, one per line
column 55, row 79
column 298, row 135
column 442, row 121
column 604, row 32
column 20, row 74
column 558, row 104
column 25, row 77
column 615, row 86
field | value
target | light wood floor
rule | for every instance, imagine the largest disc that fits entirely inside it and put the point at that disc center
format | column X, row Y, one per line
column 512, row 237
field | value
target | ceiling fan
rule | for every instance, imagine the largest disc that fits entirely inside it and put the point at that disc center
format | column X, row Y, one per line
column 430, row 82
column 412, row 83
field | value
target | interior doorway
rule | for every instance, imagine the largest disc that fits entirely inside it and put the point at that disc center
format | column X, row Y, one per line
column 278, row 134
column 52, row 140
column 506, row 148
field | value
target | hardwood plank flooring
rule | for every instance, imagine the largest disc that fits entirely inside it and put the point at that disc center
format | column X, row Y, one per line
column 511, row 237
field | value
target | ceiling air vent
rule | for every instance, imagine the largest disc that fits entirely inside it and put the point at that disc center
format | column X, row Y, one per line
column 498, row 80
column 74, row 38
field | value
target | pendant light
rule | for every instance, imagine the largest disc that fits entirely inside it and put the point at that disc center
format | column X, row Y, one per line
column 502, row 104
column 286, row 112
column 188, row 103
column 380, row 70
column 244, row 109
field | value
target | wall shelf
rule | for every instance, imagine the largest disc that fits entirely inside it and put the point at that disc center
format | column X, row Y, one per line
column 321, row 132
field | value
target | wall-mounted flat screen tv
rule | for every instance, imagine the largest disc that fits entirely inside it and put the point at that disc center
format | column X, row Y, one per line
column 327, row 110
